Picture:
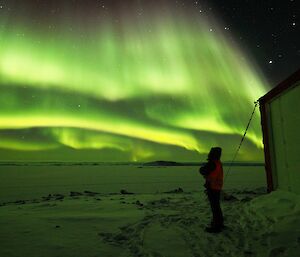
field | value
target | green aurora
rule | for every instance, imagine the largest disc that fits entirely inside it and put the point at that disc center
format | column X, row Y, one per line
column 124, row 92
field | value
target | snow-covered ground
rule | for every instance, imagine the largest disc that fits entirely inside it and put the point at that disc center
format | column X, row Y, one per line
column 166, row 223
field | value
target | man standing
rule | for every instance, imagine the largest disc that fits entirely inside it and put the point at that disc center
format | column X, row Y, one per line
column 213, row 174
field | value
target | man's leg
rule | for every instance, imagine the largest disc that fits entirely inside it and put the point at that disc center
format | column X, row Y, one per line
column 217, row 216
column 217, row 208
column 212, row 200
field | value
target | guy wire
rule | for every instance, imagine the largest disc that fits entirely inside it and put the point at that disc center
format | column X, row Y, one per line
column 236, row 153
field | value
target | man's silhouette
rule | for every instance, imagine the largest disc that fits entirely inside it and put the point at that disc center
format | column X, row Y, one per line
column 213, row 174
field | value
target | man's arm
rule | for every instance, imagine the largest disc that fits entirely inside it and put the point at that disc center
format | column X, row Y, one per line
column 207, row 168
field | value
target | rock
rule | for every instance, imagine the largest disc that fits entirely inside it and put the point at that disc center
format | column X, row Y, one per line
column 139, row 203
column 246, row 199
column 164, row 201
column 89, row 193
column 228, row 197
column 125, row 192
column 20, row 202
column 75, row 193
column 59, row 196
column 121, row 237
column 47, row 198
column 175, row 191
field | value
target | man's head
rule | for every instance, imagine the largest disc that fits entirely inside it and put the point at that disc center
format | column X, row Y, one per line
column 215, row 154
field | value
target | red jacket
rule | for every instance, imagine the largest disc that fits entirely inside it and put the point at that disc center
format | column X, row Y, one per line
column 215, row 178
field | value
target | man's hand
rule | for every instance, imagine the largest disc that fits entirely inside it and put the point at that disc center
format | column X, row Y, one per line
column 207, row 168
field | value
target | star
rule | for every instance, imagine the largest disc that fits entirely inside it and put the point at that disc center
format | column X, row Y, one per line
column 270, row 62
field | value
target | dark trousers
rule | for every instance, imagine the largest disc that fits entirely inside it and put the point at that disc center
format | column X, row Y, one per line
column 214, row 200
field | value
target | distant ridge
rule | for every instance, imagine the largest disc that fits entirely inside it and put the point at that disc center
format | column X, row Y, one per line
column 95, row 163
column 163, row 163
column 172, row 163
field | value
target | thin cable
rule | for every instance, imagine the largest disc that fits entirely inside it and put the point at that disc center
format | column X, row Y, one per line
column 236, row 153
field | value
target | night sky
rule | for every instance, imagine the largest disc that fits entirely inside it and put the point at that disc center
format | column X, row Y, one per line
column 139, row 80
